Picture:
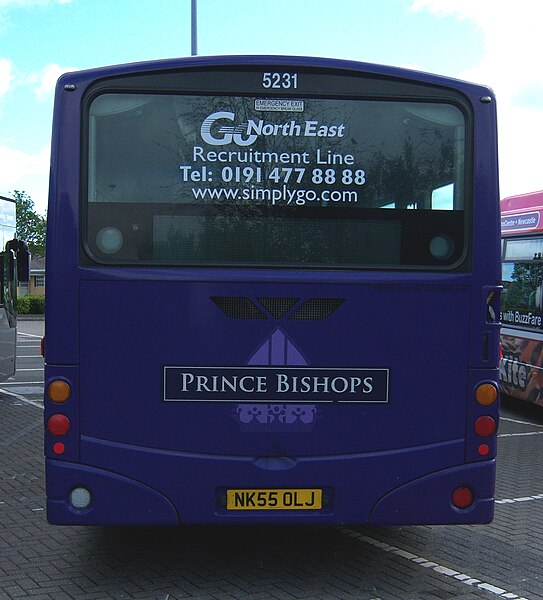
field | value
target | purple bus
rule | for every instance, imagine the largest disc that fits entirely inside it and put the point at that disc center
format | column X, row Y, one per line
column 272, row 294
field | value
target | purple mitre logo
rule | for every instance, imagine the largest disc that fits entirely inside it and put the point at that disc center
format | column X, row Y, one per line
column 277, row 350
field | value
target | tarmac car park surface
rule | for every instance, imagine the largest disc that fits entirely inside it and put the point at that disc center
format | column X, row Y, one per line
column 40, row 561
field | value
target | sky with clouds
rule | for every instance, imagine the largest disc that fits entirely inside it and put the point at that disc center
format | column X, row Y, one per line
column 485, row 41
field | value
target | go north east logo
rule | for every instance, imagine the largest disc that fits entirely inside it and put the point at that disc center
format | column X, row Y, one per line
column 218, row 130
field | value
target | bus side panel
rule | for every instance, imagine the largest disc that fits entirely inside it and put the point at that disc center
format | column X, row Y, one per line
column 61, row 302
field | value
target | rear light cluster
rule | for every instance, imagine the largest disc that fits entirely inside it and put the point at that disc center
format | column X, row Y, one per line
column 58, row 424
column 484, row 427
column 58, row 393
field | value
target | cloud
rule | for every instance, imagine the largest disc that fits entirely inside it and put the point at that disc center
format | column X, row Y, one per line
column 47, row 79
column 511, row 66
column 42, row 82
column 510, row 35
column 6, row 76
column 26, row 172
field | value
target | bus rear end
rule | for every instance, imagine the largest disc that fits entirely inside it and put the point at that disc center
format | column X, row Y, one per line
column 272, row 295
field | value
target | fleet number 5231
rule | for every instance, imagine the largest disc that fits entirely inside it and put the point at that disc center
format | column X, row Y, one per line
column 280, row 80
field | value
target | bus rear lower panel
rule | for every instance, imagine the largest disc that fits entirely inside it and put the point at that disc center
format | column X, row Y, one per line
column 129, row 486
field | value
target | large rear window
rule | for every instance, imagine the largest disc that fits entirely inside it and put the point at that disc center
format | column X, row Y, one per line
column 202, row 180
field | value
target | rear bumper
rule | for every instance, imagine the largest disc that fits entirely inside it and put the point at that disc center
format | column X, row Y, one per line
column 136, row 486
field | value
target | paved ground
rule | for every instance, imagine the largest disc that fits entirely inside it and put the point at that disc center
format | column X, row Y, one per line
column 39, row 561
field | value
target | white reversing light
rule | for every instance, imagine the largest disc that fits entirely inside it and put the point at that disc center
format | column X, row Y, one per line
column 80, row 498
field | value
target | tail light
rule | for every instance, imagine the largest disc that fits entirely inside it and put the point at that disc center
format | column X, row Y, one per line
column 58, row 425
column 462, row 497
column 61, row 414
column 485, row 426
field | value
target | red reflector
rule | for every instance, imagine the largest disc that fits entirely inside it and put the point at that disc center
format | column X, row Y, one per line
column 462, row 497
column 58, row 424
column 483, row 449
column 59, row 448
column 485, row 426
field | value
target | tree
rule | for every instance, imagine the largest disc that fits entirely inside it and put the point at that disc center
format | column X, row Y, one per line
column 30, row 224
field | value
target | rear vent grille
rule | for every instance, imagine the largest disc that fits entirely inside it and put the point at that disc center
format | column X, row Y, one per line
column 240, row 307
column 278, row 307
column 317, row 309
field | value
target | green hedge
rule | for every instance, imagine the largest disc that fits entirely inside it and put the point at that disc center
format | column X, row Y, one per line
column 31, row 305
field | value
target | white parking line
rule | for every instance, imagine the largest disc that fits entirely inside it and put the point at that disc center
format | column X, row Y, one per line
column 520, row 422
column 524, row 499
column 526, row 433
column 22, row 398
column 427, row 564
column 22, row 383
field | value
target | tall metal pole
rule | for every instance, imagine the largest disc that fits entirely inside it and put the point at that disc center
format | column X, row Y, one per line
column 193, row 29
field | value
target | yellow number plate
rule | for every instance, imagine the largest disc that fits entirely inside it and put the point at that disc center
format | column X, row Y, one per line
column 297, row 499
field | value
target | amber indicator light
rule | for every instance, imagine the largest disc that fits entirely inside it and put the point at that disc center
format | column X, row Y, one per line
column 59, row 391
